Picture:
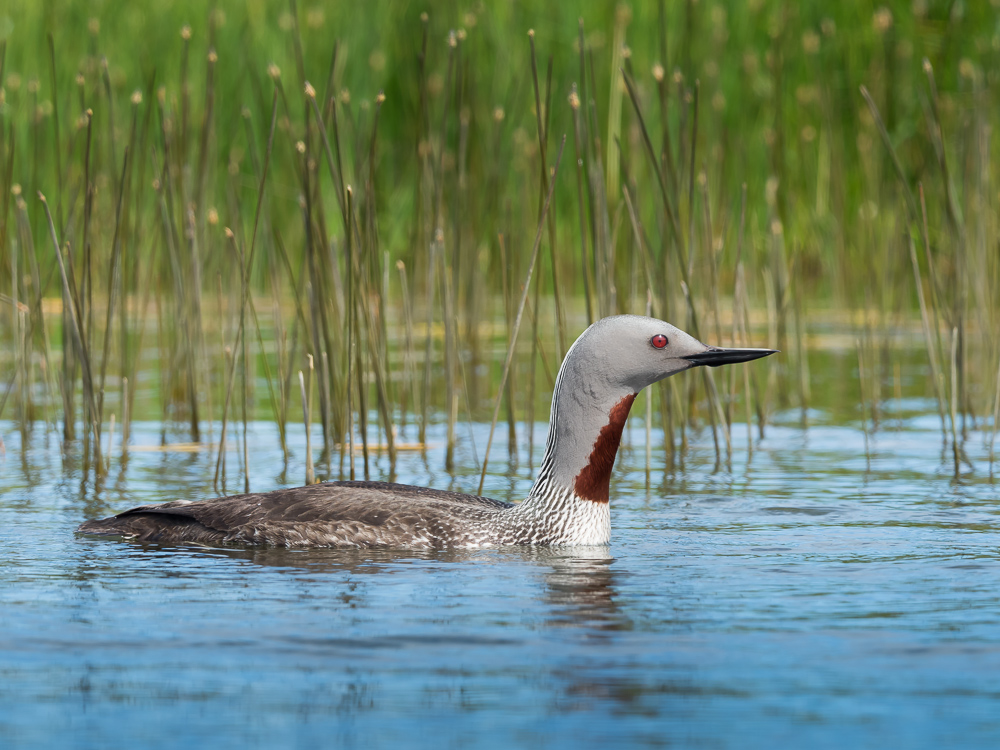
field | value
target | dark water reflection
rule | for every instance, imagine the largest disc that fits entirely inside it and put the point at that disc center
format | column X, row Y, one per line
column 811, row 595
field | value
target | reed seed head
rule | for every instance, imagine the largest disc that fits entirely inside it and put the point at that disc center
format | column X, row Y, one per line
column 807, row 94
column 658, row 73
column 771, row 190
column 274, row 71
column 882, row 20
column 136, row 97
column 310, row 91
column 213, row 57
column 186, row 32
column 315, row 18
column 868, row 210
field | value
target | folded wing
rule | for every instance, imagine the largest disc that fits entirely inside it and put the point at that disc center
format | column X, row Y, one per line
column 334, row 514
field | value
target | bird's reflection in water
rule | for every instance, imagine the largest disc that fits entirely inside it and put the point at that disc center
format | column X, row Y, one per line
column 580, row 583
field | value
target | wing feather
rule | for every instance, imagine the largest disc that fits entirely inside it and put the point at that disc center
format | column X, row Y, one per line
column 355, row 514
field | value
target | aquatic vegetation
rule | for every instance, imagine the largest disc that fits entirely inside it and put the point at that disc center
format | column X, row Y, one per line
column 202, row 210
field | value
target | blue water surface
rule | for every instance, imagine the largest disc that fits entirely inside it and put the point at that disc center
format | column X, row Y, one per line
column 816, row 593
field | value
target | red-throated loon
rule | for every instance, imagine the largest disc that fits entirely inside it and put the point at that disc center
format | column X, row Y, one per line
column 602, row 373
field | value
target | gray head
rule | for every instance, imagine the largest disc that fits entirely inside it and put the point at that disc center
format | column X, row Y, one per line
column 631, row 352
column 603, row 371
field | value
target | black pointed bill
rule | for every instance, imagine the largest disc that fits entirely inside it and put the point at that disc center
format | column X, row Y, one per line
column 715, row 356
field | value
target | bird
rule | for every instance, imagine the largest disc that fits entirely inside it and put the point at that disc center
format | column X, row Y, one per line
column 568, row 504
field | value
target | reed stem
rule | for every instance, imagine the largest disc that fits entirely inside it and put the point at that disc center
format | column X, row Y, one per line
column 520, row 311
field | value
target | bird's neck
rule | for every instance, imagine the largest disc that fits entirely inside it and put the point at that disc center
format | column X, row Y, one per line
column 582, row 460
column 574, row 478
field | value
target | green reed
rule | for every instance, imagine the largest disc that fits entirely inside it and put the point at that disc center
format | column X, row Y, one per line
column 737, row 192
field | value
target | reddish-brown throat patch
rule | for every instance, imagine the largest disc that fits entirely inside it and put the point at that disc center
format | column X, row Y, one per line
column 594, row 480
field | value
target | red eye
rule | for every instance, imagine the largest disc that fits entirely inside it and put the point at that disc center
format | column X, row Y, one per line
column 659, row 341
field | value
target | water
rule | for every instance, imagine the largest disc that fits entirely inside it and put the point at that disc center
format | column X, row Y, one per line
column 814, row 595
